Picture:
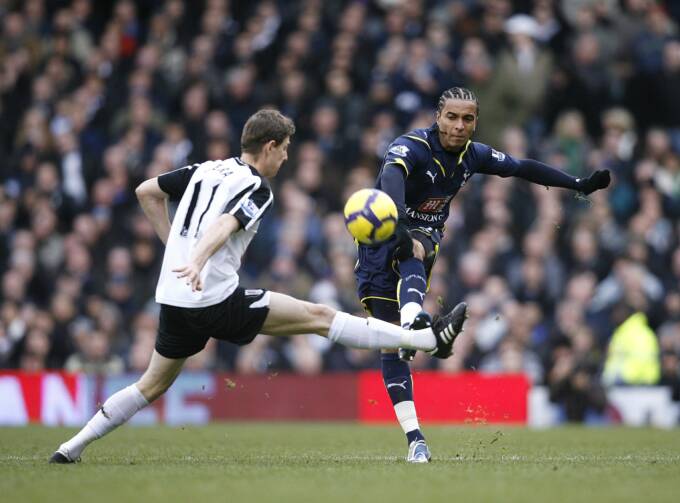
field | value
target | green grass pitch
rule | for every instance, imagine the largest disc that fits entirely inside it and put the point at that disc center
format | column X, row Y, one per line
column 345, row 463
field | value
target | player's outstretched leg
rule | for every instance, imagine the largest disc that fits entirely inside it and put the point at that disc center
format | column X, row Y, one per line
column 290, row 316
column 121, row 406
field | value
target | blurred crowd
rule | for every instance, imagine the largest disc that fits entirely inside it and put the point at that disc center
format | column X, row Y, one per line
column 577, row 293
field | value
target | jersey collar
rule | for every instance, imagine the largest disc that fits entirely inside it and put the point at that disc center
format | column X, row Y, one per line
column 252, row 169
column 433, row 134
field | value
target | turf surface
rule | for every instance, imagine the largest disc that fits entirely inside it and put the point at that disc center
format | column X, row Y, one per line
column 344, row 463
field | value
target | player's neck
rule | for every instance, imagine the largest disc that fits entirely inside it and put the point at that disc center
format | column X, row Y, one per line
column 253, row 161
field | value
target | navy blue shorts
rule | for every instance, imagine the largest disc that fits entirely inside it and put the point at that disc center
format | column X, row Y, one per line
column 378, row 276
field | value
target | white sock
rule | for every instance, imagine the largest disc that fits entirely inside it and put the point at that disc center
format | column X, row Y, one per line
column 406, row 414
column 371, row 333
column 120, row 407
column 408, row 313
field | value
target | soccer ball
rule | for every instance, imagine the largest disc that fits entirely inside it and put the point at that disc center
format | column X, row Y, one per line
column 370, row 216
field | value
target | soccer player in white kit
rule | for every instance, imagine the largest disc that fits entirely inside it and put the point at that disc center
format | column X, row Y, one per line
column 220, row 207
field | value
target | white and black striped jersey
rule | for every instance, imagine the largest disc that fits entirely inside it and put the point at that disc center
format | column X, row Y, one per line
column 206, row 191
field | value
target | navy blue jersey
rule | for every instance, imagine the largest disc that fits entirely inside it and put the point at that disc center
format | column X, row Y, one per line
column 434, row 176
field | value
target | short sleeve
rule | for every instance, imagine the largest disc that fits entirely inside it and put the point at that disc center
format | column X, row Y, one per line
column 250, row 205
column 175, row 182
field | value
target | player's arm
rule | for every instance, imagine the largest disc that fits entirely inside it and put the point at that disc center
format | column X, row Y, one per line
column 393, row 183
column 401, row 159
column 153, row 196
column 538, row 172
column 154, row 203
column 498, row 163
column 212, row 240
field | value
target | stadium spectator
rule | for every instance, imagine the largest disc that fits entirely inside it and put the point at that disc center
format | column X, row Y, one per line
column 573, row 379
column 94, row 356
column 633, row 353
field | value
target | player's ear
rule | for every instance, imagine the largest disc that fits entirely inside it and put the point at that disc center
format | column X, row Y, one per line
column 269, row 146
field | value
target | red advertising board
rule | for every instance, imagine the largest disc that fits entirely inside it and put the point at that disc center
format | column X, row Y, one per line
column 468, row 397
column 55, row 398
column 327, row 397
column 51, row 398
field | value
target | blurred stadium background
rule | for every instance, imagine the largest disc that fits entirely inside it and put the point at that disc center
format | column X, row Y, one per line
column 582, row 297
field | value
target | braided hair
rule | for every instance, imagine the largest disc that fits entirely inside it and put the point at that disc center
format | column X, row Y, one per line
column 457, row 93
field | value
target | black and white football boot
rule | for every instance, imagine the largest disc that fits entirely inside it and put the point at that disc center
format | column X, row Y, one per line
column 446, row 328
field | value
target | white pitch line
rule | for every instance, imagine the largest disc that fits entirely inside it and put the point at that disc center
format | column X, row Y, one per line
column 315, row 458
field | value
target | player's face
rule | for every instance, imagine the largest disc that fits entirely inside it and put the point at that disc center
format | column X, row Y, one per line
column 278, row 154
column 457, row 121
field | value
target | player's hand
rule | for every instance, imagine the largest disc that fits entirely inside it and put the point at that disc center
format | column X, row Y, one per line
column 404, row 248
column 598, row 180
column 192, row 273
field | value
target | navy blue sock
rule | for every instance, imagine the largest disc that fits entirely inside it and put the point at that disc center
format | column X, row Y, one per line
column 414, row 435
column 397, row 378
column 413, row 281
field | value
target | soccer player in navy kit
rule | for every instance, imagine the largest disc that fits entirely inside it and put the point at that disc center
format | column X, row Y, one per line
column 422, row 171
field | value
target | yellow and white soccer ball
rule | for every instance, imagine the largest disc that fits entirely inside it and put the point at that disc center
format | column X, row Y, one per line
column 370, row 216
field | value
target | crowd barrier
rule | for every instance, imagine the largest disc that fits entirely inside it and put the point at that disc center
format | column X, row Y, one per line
column 57, row 398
